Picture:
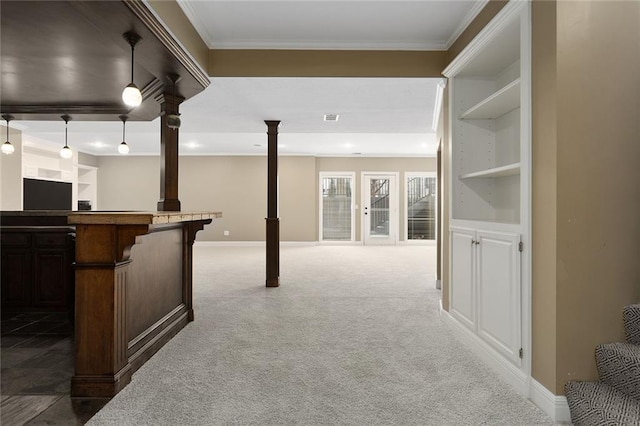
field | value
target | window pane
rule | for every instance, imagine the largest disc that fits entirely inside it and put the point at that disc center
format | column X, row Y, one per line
column 379, row 222
column 336, row 208
column 421, row 212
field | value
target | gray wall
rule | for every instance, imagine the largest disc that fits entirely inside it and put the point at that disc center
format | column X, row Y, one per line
column 237, row 186
column 88, row 159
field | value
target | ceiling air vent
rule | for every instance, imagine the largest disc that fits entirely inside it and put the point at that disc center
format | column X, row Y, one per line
column 331, row 117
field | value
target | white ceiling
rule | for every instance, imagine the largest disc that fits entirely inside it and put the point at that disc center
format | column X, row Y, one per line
column 378, row 116
column 331, row 24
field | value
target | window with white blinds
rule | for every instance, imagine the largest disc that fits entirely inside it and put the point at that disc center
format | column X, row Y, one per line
column 336, row 207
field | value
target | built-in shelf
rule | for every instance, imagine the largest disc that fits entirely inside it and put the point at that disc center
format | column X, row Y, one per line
column 489, row 152
column 87, row 187
column 496, row 172
column 501, row 102
column 44, row 173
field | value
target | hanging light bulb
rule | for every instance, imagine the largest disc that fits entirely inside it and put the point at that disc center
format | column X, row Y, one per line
column 123, row 148
column 131, row 94
column 7, row 147
column 66, row 152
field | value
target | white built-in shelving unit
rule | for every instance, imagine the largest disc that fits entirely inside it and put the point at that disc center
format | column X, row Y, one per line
column 489, row 97
column 87, row 185
column 44, row 162
column 41, row 160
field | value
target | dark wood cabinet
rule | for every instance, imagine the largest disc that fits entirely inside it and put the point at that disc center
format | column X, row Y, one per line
column 37, row 268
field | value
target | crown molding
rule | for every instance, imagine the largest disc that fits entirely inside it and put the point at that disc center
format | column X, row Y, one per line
column 329, row 45
column 484, row 37
column 197, row 23
column 159, row 30
column 477, row 7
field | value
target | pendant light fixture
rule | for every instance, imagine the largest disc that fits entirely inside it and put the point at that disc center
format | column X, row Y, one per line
column 131, row 94
column 123, row 148
column 66, row 152
column 7, row 147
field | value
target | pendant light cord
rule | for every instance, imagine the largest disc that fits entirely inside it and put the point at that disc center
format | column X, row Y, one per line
column 66, row 129
column 7, row 118
column 132, row 47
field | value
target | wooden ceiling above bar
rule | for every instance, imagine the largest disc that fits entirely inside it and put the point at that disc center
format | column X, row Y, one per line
column 69, row 57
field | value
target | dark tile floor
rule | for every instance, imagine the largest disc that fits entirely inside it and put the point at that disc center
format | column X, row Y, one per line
column 37, row 365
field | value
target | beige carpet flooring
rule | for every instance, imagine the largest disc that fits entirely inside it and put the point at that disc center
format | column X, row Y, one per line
column 351, row 337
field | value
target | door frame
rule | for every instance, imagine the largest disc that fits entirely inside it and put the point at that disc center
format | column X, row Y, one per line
column 394, row 203
column 321, row 176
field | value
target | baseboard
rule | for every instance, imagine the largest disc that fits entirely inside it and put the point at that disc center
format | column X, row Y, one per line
column 298, row 243
column 555, row 406
column 509, row 372
column 339, row 243
column 160, row 337
column 252, row 243
column 228, row 243
column 418, row 242
column 295, row 243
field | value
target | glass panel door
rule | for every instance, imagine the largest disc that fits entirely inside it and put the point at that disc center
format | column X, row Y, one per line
column 421, row 207
column 336, row 207
column 380, row 209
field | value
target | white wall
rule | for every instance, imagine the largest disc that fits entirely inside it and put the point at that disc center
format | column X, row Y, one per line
column 11, row 172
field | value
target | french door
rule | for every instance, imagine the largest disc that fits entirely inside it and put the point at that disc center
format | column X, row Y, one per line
column 420, row 206
column 379, row 208
column 337, row 206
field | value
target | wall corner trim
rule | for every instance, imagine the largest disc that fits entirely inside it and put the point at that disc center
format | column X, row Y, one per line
column 555, row 406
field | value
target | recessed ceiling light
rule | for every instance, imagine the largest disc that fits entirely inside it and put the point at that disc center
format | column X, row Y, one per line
column 331, row 117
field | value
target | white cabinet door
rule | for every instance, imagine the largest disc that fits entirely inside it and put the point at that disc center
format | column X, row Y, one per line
column 462, row 276
column 498, row 286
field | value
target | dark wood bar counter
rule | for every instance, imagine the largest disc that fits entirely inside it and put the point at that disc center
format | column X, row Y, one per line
column 133, row 291
column 37, row 251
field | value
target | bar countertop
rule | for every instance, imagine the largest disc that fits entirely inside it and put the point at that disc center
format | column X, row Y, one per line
column 137, row 218
column 33, row 213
